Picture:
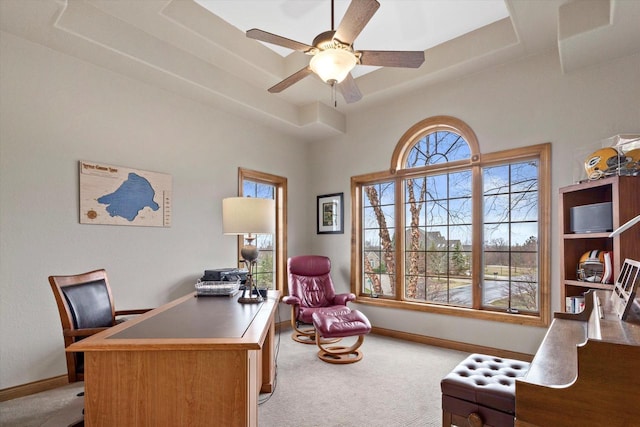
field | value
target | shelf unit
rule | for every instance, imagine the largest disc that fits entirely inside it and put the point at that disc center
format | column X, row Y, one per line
column 624, row 194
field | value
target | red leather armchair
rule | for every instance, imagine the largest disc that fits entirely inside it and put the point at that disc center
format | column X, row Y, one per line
column 311, row 290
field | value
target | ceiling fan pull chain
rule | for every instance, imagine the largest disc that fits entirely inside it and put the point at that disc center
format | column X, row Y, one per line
column 334, row 99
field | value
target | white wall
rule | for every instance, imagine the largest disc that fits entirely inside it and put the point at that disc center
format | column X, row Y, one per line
column 517, row 104
column 56, row 110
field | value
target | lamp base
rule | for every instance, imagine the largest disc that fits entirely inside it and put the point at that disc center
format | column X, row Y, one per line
column 250, row 300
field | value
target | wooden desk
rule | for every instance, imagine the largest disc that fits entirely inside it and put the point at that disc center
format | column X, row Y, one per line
column 192, row 362
column 586, row 371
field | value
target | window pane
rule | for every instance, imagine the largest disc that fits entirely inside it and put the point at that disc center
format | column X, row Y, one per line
column 415, row 263
column 524, row 206
column 415, row 238
column 496, row 208
column 258, row 190
column 379, row 237
column 524, row 176
column 510, row 279
column 372, row 240
column 495, row 293
column 460, row 184
column 524, row 233
column 460, row 264
column 369, row 218
column 460, row 211
column 496, row 236
column 495, row 180
column 436, row 213
column 436, row 262
column 436, row 238
column 460, row 292
column 437, row 289
column 462, row 234
column 414, row 187
column 437, row 148
column 437, row 187
column 265, row 269
column 411, row 219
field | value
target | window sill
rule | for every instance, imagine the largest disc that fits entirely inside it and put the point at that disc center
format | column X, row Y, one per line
column 519, row 319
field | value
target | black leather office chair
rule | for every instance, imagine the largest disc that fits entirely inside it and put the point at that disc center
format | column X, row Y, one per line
column 86, row 307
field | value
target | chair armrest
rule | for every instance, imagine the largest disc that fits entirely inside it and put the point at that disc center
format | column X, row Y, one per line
column 291, row 300
column 82, row 332
column 133, row 311
column 343, row 299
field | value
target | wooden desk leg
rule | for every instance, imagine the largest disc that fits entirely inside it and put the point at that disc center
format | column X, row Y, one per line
column 268, row 361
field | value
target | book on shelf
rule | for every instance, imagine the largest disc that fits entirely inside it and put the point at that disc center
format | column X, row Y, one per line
column 574, row 304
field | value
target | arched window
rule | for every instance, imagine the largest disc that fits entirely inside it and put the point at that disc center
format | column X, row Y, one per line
column 450, row 230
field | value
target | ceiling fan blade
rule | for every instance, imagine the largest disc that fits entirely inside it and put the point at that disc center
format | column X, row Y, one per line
column 392, row 58
column 355, row 19
column 293, row 78
column 349, row 89
column 280, row 41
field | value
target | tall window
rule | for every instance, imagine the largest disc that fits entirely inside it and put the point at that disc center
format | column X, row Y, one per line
column 450, row 230
column 271, row 261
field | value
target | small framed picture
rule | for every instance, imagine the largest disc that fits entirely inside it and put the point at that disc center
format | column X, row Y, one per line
column 330, row 214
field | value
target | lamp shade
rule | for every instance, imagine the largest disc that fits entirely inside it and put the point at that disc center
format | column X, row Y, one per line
column 245, row 215
column 333, row 64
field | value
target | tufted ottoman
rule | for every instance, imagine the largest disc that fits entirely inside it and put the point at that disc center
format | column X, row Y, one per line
column 481, row 391
column 340, row 325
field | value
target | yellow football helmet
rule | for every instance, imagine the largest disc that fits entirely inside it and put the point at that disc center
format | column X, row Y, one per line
column 591, row 267
column 631, row 165
column 603, row 162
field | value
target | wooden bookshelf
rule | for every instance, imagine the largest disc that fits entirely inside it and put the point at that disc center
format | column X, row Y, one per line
column 624, row 194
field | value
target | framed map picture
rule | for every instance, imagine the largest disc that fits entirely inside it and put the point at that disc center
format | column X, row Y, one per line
column 330, row 214
column 117, row 195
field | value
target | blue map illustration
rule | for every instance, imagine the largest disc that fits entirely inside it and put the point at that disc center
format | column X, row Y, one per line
column 135, row 194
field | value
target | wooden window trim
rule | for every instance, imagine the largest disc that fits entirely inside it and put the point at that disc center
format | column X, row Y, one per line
column 280, row 184
column 430, row 125
column 397, row 173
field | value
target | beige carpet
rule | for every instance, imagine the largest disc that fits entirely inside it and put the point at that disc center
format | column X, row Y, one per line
column 54, row 408
column 397, row 383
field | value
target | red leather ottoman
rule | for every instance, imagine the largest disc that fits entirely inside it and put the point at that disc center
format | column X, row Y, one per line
column 340, row 325
column 481, row 391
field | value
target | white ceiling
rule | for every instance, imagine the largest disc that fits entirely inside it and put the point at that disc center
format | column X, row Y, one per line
column 182, row 47
column 397, row 25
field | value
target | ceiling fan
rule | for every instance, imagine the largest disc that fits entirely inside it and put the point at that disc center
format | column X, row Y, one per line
column 333, row 54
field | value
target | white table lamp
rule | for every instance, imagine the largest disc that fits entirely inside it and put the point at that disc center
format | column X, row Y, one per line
column 249, row 216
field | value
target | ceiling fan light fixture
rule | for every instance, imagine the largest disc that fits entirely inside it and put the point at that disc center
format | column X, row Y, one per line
column 333, row 65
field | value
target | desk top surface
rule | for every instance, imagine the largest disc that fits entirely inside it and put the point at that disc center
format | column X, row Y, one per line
column 556, row 361
column 189, row 321
column 197, row 317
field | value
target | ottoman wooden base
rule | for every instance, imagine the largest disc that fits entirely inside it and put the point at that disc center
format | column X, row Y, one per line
column 340, row 354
